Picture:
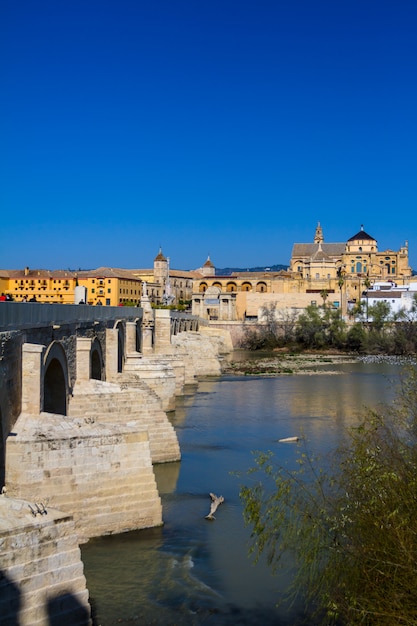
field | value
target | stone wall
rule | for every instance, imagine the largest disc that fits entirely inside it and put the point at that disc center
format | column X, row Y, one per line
column 42, row 578
column 128, row 403
column 101, row 474
column 201, row 353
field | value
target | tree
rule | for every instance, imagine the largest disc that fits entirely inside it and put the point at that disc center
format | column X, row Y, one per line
column 286, row 323
column 317, row 328
column 405, row 329
column 309, row 330
column 352, row 527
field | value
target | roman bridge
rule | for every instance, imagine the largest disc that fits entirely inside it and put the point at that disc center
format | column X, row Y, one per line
column 72, row 342
column 77, row 381
column 85, row 397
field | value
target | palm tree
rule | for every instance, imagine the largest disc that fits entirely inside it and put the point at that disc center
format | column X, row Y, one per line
column 324, row 294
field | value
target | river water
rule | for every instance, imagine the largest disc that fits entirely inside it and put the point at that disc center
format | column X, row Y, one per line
column 197, row 572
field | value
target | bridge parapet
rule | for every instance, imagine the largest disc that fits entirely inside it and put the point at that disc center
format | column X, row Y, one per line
column 19, row 315
column 183, row 322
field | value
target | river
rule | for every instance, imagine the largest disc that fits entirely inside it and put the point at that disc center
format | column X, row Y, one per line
column 197, row 572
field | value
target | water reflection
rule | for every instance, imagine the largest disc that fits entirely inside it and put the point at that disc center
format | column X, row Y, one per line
column 192, row 571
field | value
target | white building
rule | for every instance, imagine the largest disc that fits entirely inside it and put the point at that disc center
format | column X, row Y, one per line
column 399, row 298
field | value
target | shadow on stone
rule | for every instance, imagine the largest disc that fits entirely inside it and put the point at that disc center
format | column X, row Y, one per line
column 66, row 610
column 9, row 601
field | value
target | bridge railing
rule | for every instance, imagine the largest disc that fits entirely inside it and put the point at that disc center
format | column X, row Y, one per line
column 181, row 322
column 17, row 315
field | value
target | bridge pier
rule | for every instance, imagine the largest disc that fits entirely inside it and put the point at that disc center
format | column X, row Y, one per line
column 83, row 358
column 32, row 378
column 112, row 353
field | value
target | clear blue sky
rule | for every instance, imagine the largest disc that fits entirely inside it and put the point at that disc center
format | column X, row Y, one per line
column 227, row 128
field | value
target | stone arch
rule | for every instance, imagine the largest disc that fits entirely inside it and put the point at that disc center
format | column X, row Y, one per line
column 120, row 345
column 261, row 287
column 55, row 380
column 217, row 284
column 96, row 361
column 2, row 454
column 246, row 286
column 231, row 286
column 139, row 334
column 202, row 287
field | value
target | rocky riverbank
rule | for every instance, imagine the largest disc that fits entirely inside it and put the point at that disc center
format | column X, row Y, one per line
column 285, row 364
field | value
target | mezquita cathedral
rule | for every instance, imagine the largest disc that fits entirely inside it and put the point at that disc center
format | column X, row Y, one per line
column 340, row 272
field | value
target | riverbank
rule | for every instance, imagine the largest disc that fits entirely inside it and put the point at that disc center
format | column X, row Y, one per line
column 245, row 363
column 275, row 364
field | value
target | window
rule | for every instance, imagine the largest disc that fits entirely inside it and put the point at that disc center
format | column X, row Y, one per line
column 317, row 276
column 108, row 290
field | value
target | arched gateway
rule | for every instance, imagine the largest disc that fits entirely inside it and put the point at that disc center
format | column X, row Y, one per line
column 55, row 382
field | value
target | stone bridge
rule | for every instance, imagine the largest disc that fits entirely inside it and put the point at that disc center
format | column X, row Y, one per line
column 85, row 394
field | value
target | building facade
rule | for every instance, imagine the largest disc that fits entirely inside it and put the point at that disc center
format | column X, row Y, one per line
column 318, row 271
column 105, row 286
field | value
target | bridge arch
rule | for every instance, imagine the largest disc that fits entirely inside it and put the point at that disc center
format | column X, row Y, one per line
column 120, row 345
column 96, row 361
column 55, row 380
column 2, row 453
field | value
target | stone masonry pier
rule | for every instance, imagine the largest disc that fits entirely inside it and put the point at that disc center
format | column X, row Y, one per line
column 84, row 407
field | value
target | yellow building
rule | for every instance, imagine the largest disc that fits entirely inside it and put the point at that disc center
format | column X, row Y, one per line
column 106, row 286
column 42, row 285
column 110, row 287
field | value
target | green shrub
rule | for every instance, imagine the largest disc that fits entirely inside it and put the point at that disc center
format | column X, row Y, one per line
column 351, row 524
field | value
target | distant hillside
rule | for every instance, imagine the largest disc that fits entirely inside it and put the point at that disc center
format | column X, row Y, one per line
column 226, row 271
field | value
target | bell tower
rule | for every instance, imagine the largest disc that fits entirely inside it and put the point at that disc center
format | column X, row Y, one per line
column 318, row 237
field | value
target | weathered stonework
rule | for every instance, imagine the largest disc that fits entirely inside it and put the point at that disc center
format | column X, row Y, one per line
column 132, row 403
column 101, row 474
column 42, row 580
column 200, row 353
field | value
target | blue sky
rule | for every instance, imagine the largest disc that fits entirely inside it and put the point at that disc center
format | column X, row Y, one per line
column 227, row 128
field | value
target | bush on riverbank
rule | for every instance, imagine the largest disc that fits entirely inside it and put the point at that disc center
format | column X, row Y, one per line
column 376, row 332
column 353, row 527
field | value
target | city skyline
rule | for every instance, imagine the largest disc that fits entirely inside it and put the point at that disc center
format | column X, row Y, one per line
column 226, row 129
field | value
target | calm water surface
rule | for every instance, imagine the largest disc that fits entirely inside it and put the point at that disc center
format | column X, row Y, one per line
column 192, row 571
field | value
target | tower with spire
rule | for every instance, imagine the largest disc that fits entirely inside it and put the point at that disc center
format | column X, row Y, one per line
column 208, row 268
column 160, row 269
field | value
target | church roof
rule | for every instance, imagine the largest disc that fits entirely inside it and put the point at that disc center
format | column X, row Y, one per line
column 310, row 249
column 362, row 236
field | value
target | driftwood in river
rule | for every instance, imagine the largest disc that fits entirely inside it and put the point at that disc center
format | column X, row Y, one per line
column 215, row 502
column 288, row 440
